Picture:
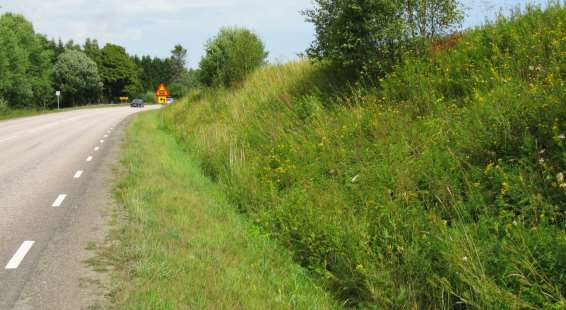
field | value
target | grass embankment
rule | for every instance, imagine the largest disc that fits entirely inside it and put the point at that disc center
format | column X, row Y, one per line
column 443, row 188
column 184, row 247
column 6, row 113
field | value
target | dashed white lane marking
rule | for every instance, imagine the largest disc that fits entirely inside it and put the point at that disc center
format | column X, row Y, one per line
column 105, row 136
column 21, row 253
column 101, row 141
column 96, row 149
column 89, row 158
column 59, row 201
column 78, row 174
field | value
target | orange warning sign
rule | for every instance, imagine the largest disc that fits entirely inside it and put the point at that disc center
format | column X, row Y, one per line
column 162, row 91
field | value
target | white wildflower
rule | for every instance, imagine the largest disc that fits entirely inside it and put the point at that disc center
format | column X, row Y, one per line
column 465, row 258
column 355, row 179
column 562, row 136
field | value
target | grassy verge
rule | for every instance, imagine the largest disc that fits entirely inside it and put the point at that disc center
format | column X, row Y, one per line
column 444, row 187
column 17, row 113
column 184, row 247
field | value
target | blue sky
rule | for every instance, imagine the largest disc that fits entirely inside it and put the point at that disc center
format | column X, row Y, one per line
column 153, row 27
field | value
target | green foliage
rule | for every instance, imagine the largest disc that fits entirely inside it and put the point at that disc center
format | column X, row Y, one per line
column 4, row 108
column 368, row 37
column 154, row 71
column 25, row 65
column 119, row 73
column 28, row 61
column 76, row 75
column 149, row 97
column 443, row 189
column 172, row 71
column 231, row 56
column 196, row 251
column 178, row 62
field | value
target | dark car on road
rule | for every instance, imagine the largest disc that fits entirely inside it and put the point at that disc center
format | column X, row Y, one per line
column 137, row 103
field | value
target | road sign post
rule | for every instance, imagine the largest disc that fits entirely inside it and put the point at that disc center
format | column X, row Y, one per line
column 162, row 94
column 58, row 94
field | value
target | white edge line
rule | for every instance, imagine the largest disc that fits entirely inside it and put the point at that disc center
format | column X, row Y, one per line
column 21, row 253
column 59, row 201
column 78, row 174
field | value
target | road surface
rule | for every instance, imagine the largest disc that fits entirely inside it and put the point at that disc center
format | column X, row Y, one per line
column 55, row 172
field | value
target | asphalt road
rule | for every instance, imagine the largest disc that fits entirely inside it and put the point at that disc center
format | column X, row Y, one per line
column 55, row 172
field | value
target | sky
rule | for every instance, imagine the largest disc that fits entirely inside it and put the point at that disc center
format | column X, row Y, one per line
column 154, row 27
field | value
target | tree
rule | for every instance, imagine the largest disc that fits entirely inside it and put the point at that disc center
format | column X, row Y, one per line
column 119, row 73
column 231, row 56
column 25, row 63
column 365, row 38
column 178, row 62
column 77, row 77
column 56, row 47
column 430, row 18
column 92, row 50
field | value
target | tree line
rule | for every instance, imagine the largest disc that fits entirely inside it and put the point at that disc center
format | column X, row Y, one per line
column 361, row 39
column 33, row 67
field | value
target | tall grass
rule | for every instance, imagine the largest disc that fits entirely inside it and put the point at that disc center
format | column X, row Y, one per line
column 444, row 188
column 184, row 247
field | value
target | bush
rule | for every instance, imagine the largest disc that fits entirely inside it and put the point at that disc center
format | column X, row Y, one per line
column 365, row 38
column 4, row 108
column 231, row 56
column 149, row 97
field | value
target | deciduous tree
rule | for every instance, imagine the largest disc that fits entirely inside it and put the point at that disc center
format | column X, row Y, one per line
column 368, row 37
column 119, row 73
column 77, row 76
column 25, row 63
column 231, row 56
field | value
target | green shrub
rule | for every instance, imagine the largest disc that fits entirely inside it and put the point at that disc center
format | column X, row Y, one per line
column 443, row 189
column 368, row 37
column 231, row 56
column 4, row 108
column 149, row 97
